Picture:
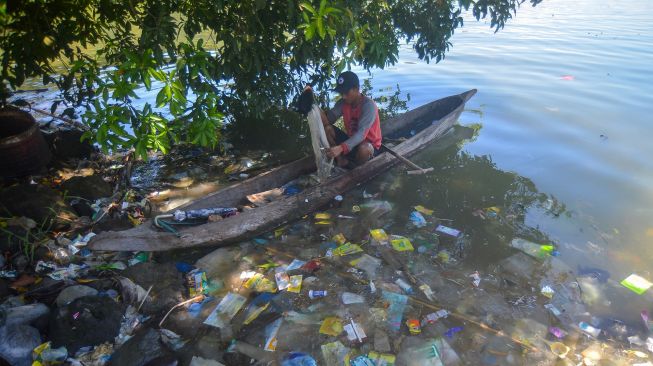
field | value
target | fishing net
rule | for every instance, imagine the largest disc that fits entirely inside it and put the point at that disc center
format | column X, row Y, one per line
column 320, row 144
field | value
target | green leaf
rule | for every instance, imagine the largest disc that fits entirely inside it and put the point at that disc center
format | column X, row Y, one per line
column 320, row 28
column 163, row 96
column 307, row 6
column 309, row 32
column 146, row 80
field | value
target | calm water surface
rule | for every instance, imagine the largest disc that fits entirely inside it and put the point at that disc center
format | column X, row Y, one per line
column 565, row 100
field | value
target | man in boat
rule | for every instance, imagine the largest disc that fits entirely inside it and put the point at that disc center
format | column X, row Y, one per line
column 361, row 140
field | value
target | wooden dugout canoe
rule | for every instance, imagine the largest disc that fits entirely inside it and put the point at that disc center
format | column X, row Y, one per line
column 427, row 122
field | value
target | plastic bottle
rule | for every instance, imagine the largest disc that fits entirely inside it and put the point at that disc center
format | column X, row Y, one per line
column 314, row 294
column 404, row 286
column 594, row 332
column 533, row 249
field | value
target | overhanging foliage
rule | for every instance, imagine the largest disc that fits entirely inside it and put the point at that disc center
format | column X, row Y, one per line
column 207, row 57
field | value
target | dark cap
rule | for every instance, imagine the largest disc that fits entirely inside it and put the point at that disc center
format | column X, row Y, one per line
column 346, row 81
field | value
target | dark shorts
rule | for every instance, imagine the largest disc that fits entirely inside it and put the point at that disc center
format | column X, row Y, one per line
column 341, row 137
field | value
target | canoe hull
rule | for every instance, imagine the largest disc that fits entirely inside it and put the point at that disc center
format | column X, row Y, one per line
column 254, row 222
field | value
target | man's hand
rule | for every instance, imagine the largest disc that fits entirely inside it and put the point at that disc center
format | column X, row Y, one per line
column 334, row 152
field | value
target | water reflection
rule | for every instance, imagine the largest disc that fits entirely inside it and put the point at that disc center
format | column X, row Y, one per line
column 463, row 188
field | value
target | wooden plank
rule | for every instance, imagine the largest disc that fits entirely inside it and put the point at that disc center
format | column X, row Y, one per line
column 251, row 223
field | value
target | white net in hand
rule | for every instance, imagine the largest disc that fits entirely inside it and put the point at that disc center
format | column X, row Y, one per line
column 320, row 144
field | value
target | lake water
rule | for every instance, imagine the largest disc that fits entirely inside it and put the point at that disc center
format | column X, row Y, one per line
column 565, row 100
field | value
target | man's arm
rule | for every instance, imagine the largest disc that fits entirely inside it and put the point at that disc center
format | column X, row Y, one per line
column 367, row 118
column 332, row 115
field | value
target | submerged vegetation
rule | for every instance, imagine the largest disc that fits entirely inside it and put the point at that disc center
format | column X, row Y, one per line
column 206, row 59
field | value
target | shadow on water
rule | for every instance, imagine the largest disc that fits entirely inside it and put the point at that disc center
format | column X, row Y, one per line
column 488, row 204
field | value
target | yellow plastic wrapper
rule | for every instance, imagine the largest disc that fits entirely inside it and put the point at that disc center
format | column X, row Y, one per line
column 331, row 326
column 322, row 216
column 279, row 232
column 254, row 313
column 339, row 239
column 259, row 283
column 347, row 249
column 379, row 235
column 402, row 244
column 295, row 284
column 423, row 210
column 637, row 284
column 386, row 359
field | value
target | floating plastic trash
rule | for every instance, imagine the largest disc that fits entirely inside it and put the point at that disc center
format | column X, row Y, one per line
column 295, row 284
column 427, row 292
column 417, row 219
column 594, row 332
column 397, row 305
column 559, row 349
column 401, row 244
column 379, row 235
column 258, row 282
column 448, row 231
column 355, row 332
column 382, row 359
column 547, row 291
column 339, row 239
column 432, row 318
column 362, row 361
column 334, row 353
column 225, row 310
column 347, row 249
column 600, row 274
column 647, row 322
column 331, row 326
column 367, row 263
column 322, row 216
column 557, row 332
column 253, row 312
column 637, row 284
column 413, row 326
column 316, row 294
column 298, row 359
column 283, row 280
column 352, row 298
column 196, row 282
column 295, row 264
column 291, row 190
column 533, row 249
column 423, row 210
column 451, row 331
column 404, row 286
column 476, row 278
column 271, row 332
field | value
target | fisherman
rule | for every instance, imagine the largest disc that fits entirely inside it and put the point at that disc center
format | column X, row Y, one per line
column 361, row 140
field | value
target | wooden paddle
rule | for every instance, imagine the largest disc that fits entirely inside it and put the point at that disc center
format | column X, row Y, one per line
column 418, row 169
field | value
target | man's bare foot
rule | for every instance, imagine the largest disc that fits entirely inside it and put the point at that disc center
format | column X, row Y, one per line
column 342, row 161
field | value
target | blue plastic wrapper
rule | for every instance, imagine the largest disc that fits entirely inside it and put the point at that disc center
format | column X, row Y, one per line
column 417, row 219
column 362, row 361
column 183, row 267
column 396, row 309
column 291, row 190
column 298, row 359
column 260, row 241
column 449, row 333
